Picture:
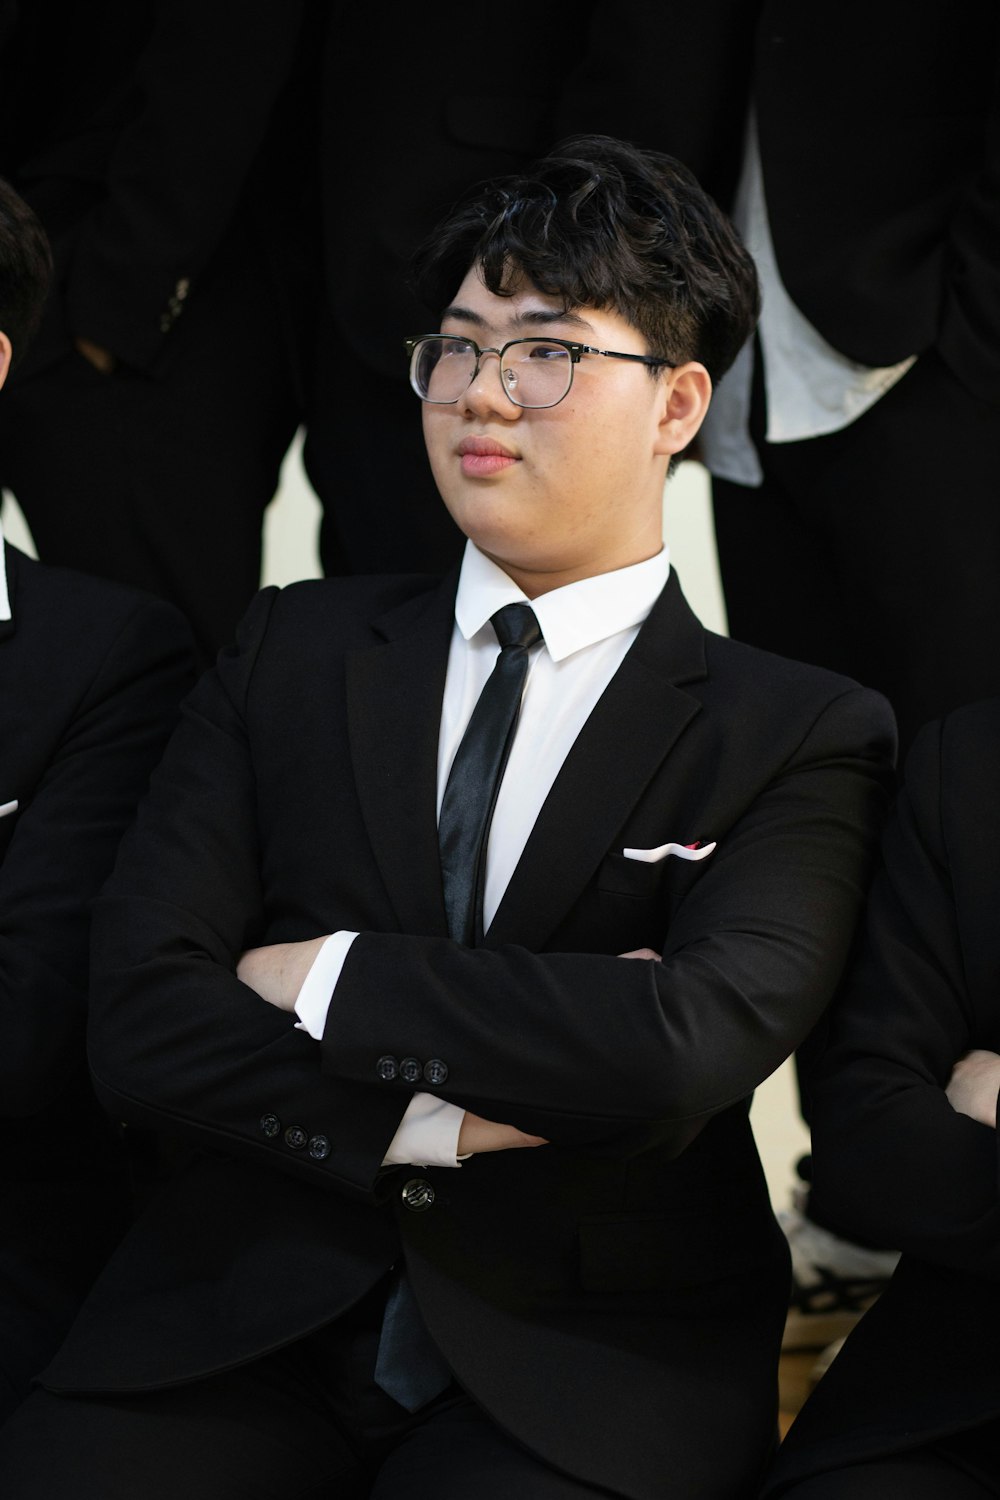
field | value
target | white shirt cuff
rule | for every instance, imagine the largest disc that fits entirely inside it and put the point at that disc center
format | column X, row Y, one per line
column 314, row 997
column 427, row 1134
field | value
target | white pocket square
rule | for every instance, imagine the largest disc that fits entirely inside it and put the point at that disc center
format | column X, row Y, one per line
column 8, row 807
column 683, row 851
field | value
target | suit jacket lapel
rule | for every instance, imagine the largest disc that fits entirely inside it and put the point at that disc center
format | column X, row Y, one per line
column 394, row 693
column 619, row 750
column 8, row 570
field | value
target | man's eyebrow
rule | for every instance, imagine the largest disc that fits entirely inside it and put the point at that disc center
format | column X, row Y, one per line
column 540, row 317
column 463, row 315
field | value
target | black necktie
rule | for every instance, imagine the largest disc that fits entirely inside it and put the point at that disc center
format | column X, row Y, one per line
column 477, row 771
column 409, row 1367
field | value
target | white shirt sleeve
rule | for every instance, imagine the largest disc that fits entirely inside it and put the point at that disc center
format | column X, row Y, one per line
column 428, row 1132
column 314, row 997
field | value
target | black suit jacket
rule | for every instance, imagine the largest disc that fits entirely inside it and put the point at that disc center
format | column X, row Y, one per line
column 879, row 129
column 895, row 1162
column 91, row 676
column 616, row 1296
column 160, row 142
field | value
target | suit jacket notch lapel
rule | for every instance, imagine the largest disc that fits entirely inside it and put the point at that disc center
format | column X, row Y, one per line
column 635, row 724
column 394, row 693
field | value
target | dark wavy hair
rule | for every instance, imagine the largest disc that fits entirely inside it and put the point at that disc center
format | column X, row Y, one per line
column 25, row 270
column 600, row 223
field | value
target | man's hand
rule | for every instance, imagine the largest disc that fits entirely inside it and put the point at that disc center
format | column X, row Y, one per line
column 478, row 1135
column 277, row 971
column 974, row 1084
column 642, row 953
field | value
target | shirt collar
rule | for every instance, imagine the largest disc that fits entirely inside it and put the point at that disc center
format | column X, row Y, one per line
column 572, row 617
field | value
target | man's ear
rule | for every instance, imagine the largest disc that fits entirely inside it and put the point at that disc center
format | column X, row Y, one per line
column 5, row 355
column 687, row 394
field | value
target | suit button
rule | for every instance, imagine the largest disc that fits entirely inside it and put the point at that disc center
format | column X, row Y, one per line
column 417, row 1194
column 296, row 1138
column 410, row 1071
column 435, row 1071
column 270, row 1125
column 319, row 1147
column 387, row 1068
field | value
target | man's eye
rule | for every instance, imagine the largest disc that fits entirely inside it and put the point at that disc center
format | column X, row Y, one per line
column 547, row 351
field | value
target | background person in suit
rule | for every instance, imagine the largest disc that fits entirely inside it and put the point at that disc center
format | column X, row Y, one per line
column 234, row 192
column 91, row 676
column 867, row 187
column 400, row 141
column 909, row 1085
column 678, row 852
column 853, row 446
column 168, row 148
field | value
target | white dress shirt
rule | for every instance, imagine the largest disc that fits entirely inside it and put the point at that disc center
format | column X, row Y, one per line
column 4, row 593
column 810, row 387
column 587, row 627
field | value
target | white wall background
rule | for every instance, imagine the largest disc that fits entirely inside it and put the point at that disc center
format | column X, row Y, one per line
column 291, row 552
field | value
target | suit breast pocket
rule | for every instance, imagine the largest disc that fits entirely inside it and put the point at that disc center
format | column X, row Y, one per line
column 626, row 907
column 630, row 877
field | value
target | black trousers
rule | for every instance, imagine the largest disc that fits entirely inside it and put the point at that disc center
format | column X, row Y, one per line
column 875, row 550
column 305, row 1423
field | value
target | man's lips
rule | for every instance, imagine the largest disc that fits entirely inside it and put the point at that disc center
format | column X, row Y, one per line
column 482, row 456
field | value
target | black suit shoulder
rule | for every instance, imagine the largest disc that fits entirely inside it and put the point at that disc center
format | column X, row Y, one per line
column 91, row 675
column 895, row 1162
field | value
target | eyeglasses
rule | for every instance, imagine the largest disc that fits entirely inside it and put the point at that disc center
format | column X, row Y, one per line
column 534, row 373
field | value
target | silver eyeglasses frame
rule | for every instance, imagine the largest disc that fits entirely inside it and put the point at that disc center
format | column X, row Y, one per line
column 574, row 350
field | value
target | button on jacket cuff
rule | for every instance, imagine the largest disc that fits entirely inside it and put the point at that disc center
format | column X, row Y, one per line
column 428, row 1132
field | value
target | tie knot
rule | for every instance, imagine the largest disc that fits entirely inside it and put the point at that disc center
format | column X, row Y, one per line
column 516, row 625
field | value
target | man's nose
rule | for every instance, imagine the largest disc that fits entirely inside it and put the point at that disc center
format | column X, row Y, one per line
column 485, row 392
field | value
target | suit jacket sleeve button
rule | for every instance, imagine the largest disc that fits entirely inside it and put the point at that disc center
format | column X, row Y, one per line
column 410, row 1070
column 296, row 1138
column 387, row 1068
column 435, row 1072
column 319, row 1147
column 270, row 1125
column 417, row 1194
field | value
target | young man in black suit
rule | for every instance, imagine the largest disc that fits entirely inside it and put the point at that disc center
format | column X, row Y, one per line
column 91, row 676
column 501, row 1164
column 908, row 1086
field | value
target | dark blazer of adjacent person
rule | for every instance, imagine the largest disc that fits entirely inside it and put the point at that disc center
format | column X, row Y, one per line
column 166, row 147
column 614, row 1299
column 880, row 144
column 897, row 1163
column 91, row 676
column 405, row 131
